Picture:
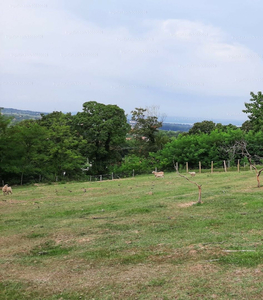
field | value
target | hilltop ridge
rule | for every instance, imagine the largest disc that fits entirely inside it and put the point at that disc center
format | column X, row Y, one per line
column 20, row 115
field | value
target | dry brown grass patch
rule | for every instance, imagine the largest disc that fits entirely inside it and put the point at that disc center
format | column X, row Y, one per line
column 183, row 205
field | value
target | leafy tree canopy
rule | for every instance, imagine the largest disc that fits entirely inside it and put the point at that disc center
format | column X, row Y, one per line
column 4, row 122
column 202, row 127
column 63, row 145
column 145, row 129
column 254, row 109
column 29, row 156
column 104, row 127
column 246, row 126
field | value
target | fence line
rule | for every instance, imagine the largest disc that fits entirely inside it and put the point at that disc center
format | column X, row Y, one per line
column 181, row 167
column 111, row 176
column 226, row 165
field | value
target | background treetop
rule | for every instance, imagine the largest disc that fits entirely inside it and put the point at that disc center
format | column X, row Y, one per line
column 254, row 109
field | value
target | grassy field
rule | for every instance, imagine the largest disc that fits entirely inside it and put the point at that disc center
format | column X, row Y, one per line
column 137, row 238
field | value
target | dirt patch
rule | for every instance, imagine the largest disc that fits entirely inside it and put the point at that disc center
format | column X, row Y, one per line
column 188, row 204
column 12, row 201
column 202, row 269
column 84, row 240
column 66, row 239
column 13, row 245
column 78, row 274
column 95, row 188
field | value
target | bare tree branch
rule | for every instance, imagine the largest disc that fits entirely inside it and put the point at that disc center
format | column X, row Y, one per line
column 242, row 145
column 198, row 185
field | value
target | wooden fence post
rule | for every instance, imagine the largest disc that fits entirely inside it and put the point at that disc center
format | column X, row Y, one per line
column 212, row 166
column 133, row 173
column 225, row 165
column 186, row 164
column 200, row 168
column 238, row 165
column 100, row 177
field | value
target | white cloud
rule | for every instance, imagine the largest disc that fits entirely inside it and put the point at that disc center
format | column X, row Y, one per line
column 70, row 60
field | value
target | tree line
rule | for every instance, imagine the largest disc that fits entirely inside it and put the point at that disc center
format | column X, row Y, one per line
column 99, row 140
column 60, row 145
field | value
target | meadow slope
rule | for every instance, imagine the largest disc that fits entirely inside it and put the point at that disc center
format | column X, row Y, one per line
column 136, row 238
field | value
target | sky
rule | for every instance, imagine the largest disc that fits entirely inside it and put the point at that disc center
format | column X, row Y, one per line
column 192, row 60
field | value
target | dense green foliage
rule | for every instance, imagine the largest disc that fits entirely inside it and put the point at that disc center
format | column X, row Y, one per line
column 200, row 147
column 104, row 127
column 58, row 145
column 62, row 145
column 145, row 131
column 255, row 111
column 99, row 141
column 4, row 122
column 202, row 127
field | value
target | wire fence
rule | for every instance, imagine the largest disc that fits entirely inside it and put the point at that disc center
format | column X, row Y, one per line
column 111, row 176
column 227, row 166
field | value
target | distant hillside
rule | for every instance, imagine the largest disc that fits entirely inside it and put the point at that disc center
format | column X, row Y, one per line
column 176, row 127
column 19, row 115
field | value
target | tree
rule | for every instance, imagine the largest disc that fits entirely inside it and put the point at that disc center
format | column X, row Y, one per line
column 198, row 147
column 4, row 122
column 104, row 127
column 255, row 111
column 198, row 185
column 28, row 158
column 242, row 145
column 161, row 139
column 145, row 130
column 202, row 127
column 225, row 128
column 63, row 145
column 246, row 126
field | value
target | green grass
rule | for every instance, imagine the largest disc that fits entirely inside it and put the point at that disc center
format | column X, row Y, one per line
column 243, row 259
column 49, row 248
column 137, row 238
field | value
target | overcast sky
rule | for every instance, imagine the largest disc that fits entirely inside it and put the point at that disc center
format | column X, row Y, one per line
column 192, row 59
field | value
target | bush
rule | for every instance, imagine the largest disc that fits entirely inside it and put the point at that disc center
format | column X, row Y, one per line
column 132, row 162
